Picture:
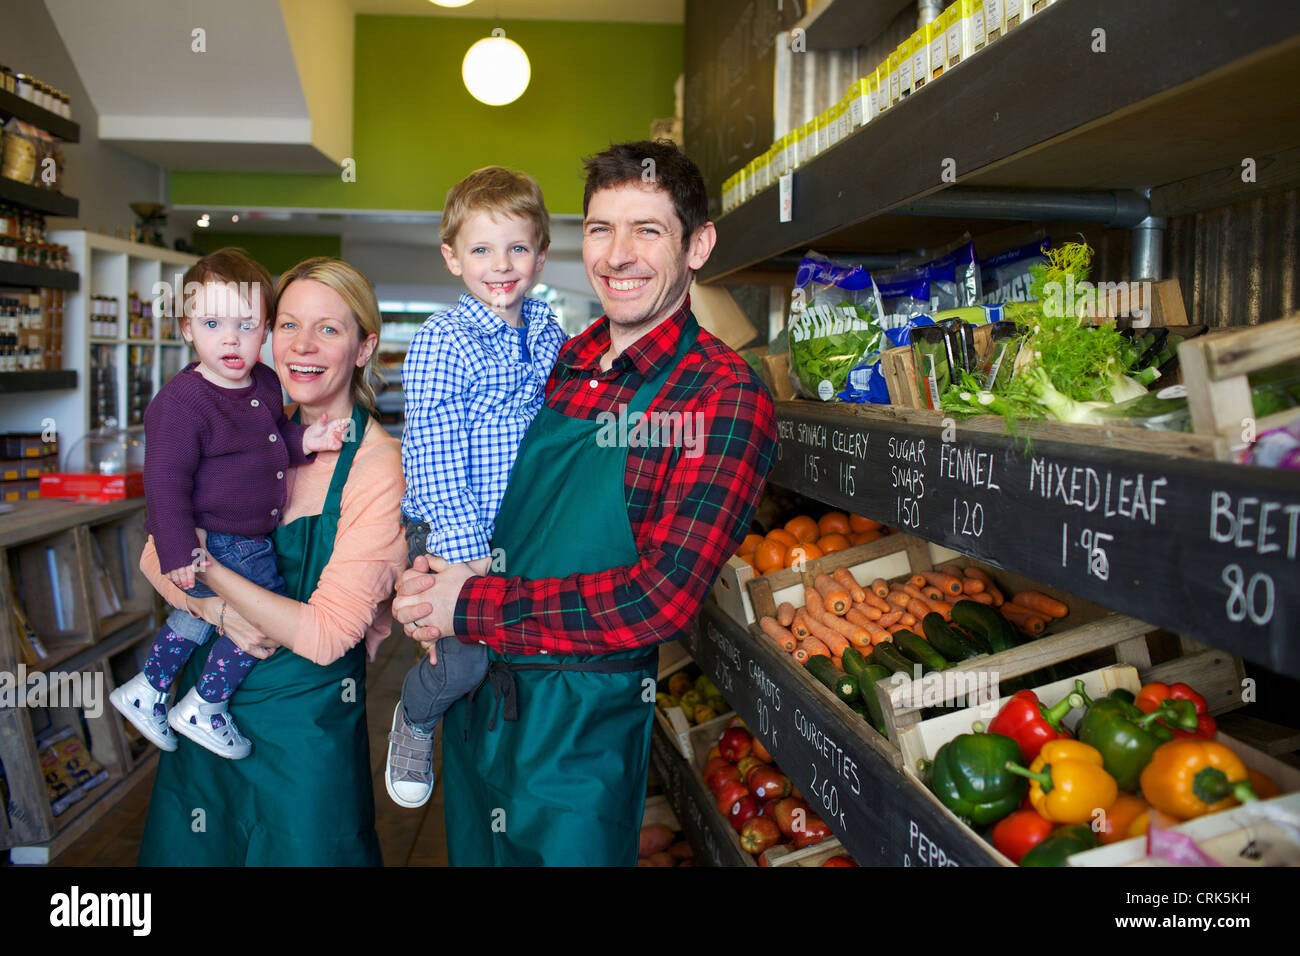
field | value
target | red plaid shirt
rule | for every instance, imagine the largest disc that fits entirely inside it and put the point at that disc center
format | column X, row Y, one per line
column 688, row 515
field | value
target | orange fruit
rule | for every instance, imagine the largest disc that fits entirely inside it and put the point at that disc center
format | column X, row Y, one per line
column 770, row 556
column 749, row 544
column 859, row 524
column 803, row 528
column 864, row 537
column 834, row 522
column 748, row 559
column 785, row 537
column 830, row 543
column 802, row 553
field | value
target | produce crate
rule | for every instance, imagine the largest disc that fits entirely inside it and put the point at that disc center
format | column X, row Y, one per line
column 1215, row 370
column 808, row 856
column 659, row 810
column 685, row 736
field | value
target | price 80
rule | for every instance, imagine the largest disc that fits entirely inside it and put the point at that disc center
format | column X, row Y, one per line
column 1248, row 598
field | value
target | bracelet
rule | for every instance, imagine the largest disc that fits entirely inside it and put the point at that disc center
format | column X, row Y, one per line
column 221, row 621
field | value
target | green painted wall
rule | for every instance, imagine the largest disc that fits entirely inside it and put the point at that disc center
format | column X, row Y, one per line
column 277, row 252
column 417, row 131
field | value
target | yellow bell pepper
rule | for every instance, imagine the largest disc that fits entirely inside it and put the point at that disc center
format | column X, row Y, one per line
column 1192, row 777
column 1068, row 783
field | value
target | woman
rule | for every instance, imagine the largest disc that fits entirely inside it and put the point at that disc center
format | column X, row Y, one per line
column 303, row 797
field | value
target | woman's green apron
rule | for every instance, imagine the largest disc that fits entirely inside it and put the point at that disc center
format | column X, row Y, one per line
column 303, row 797
column 561, row 780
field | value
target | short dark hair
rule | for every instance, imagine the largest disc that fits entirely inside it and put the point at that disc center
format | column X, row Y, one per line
column 670, row 169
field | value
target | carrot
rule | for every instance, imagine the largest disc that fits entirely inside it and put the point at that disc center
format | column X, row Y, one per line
column 881, row 587
column 900, row 601
column 822, row 630
column 944, row 582
column 856, row 615
column 983, row 597
column 932, row 593
column 856, row 635
column 942, row 608
column 1040, row 603
column 835, row 597
column 878, row 601
column 913, row 590
column 1023, row 618
column 971, row 586
column 810, row 648
column 799, row 627
column 952, row 569
column 812, row 600
column 890, row 619
column 979, row 574
column 774, row 630
column 878, row 634
column 785, row 614
column 898, row 627
column 845, row 579
column 917, row 580
column 907, row 620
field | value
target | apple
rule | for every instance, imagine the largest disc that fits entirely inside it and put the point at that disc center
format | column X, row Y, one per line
column 785, row 814
column 713, row 752
column 728, row 794
column 747, row 764
column 767, row 808
column 715, row 763
column 679, row 684
column 742, row 811
column 766, row 782
column 813, row 831
column 839, row 861
column 723, row 776
column 736, row 722
column 758, row 834
column 735, row 743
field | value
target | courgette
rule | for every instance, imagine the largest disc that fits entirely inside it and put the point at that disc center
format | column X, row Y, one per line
column 841, row 684
column 915, row 647
column 857, row 707
column 887, row 655
column 867, row 687
column 948, row 641
column 853, row 662
column 988, row 623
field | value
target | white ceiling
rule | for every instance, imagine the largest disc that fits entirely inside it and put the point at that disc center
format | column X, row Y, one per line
column 625, row 11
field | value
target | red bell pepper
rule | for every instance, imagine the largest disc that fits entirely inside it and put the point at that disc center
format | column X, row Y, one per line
column 1026, row 721
column 1156, row 693
column 1016, row 835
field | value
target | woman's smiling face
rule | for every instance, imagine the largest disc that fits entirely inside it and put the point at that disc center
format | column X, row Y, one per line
column 317, row 345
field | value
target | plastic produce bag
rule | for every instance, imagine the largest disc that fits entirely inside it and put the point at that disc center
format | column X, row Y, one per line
column 953, row 276
column 835, row 329
column 1006, row 277
column 903, row 294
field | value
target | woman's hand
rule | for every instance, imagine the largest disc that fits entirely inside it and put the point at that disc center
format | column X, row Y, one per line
column 229, row 622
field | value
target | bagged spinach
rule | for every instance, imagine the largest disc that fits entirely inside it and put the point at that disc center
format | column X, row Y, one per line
column 835, row 327
column 903, row 294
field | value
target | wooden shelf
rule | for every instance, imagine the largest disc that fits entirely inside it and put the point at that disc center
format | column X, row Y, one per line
column 1039, row 511
column 840, row 24
column 1171, row 99
column 17, row 274
column 44, row 381
column 40, row 200
column 11, row 104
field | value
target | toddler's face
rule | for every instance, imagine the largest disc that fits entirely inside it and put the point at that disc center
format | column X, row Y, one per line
column 227, row 331
column 497, row 258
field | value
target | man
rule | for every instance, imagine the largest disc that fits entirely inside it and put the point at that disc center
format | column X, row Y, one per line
column 609, row 546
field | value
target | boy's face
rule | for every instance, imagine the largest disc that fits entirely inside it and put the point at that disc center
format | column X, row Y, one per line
column 227, row 332
column 498, row 259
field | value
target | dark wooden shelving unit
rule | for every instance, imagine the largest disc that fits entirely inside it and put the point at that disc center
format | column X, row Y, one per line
column 15, row 382
column 39, row 200
column 839, row 24
column 11, row 104
column 1169, row 103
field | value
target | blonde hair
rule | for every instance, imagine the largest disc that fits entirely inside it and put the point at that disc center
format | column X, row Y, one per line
column 359, row 296
column 499, row 192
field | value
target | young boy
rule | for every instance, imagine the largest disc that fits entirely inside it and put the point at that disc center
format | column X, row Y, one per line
column 474, row 379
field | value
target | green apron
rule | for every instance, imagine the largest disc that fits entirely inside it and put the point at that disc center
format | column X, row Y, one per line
column 303, row 797
column 561, row 780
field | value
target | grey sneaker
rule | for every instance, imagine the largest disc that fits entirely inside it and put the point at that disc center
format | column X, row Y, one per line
column 408, row 773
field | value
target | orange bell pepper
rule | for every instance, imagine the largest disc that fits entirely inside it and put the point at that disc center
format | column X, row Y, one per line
column 1192, row 777
column 1067, row 782
column 1121, row 817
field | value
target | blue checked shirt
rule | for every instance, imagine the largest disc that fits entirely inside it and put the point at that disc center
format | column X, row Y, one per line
column 471, row 393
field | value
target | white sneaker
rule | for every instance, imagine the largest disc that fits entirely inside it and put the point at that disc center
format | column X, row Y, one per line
column 135, row 700
column 408, row 772
column 192, row 718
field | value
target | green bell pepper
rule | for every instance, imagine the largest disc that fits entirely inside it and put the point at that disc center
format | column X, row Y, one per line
column 970, row 777
column 1125, row 736
column 1064, row 841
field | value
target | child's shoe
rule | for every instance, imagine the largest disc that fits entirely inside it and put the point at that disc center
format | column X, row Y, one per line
column 192, row 718
column 408, row 773
column 139, row 702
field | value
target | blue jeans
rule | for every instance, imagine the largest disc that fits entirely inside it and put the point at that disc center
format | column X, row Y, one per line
column 430, row 689
column 251, row 558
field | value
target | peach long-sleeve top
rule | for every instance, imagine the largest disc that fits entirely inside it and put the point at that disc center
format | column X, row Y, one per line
column 354, row 597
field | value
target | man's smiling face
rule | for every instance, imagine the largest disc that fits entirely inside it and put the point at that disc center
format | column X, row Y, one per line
column 633, row 251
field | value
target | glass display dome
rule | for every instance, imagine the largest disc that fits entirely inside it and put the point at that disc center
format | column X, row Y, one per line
column 107, row 450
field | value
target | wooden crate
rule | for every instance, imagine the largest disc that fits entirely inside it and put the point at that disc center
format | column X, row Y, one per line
column 1215, row 369
column 808, row 856
column 686, row 737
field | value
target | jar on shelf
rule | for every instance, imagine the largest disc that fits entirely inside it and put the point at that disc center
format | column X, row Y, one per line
column 6, row 79
column 23, row 86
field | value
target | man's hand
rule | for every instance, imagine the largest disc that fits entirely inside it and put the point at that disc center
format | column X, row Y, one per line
column 325, row 435
column 426, row 602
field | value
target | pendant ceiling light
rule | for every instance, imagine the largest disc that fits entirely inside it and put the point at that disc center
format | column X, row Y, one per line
column 452, row 3
column 496, row 70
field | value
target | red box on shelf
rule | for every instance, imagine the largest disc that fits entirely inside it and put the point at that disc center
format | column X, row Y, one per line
column 99, row 488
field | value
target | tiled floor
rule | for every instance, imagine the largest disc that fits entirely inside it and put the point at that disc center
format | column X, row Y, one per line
column 406, row 837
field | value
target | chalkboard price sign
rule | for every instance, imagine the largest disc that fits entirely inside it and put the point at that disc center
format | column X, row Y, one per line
column 1207, row 549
